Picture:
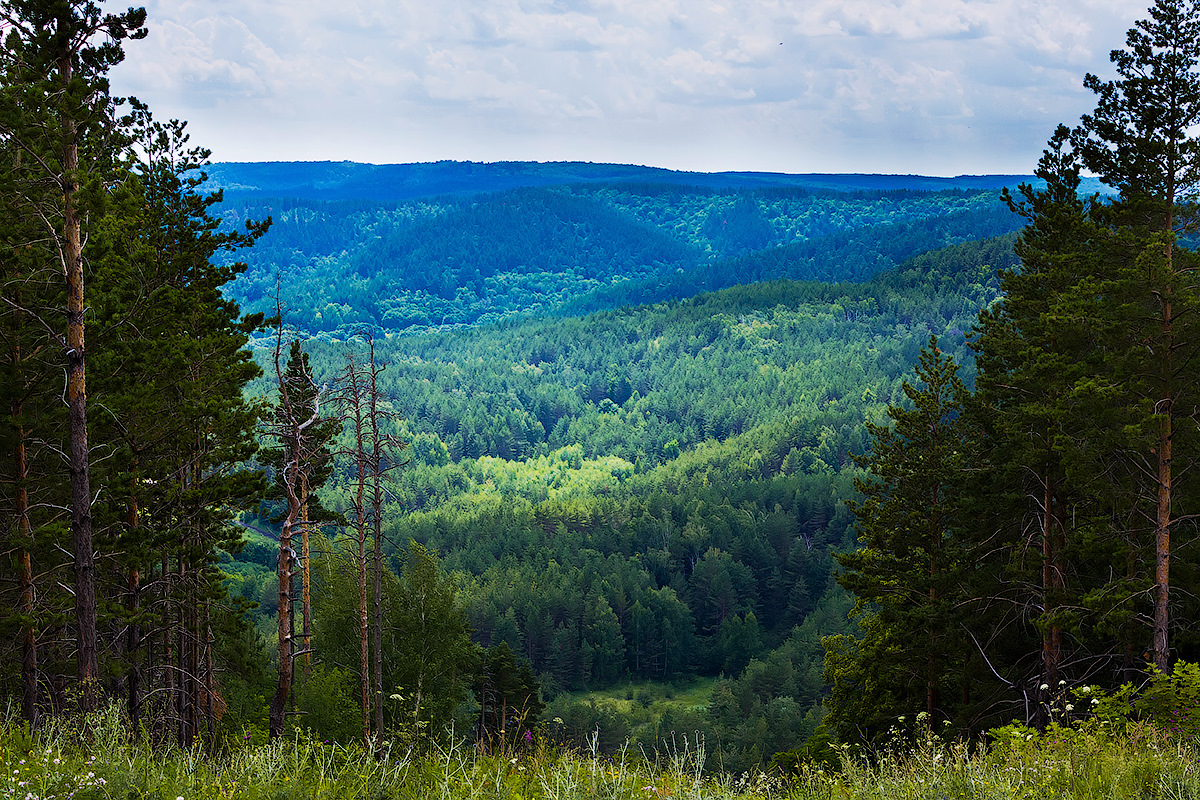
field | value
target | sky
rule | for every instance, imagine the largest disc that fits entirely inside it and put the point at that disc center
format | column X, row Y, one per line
column 931, row 87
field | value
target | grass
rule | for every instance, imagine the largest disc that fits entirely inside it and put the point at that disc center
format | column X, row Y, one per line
column 692, row 695
column 95, row 758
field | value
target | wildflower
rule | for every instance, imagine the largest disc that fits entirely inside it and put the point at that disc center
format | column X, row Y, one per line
column 528, row 737
column 1044, row 686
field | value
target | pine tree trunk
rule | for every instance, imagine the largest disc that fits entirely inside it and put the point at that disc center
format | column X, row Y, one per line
column 1052, row 635
column 377, row 521
column 305, row 576
column 1162, row 522
column 78, row 457
column 284, row 628
column 133, row 637
column 29, row 676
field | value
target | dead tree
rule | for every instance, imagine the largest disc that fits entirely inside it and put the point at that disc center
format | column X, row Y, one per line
column 372, row 457
column 290, row 428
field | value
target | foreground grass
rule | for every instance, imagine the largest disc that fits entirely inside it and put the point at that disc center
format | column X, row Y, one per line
column 65, row 763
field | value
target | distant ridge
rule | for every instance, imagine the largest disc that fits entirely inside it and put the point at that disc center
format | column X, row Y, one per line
column 347, row 180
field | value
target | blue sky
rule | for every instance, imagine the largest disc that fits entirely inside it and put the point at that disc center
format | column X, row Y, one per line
column 935, row 87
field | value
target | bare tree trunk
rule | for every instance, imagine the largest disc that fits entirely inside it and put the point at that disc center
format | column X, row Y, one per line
column 284, row 628
column 292, row 427
column 353, row 401
column 169, row 663
column 1051, row 580
column 377, row 522
column 1162, row 530
column 187, row 674
column 210, row 683
column 305, row 575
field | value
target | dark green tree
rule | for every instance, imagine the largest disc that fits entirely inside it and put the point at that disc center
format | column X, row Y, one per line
column 56, row 111
column 509, row 698
column 909, row 571
column 1141, row 141
column 170, row 362
column 1032, row 348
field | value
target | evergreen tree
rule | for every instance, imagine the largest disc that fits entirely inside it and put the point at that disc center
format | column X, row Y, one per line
column 170, row 361
column 1141, row 141
column 1032, row 348
column 509, row 698
column 56, row 111
column 908, row 574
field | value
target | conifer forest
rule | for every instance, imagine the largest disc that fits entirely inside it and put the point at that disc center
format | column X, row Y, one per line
column 583, row 458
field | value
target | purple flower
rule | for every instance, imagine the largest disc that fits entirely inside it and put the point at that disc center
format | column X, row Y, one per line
column 528, row 736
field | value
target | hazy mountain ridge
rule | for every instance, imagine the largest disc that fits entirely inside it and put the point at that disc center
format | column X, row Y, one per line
column 345, row 180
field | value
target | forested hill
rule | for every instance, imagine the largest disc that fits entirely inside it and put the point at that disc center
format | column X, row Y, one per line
column 354, row 244
column 654, row 492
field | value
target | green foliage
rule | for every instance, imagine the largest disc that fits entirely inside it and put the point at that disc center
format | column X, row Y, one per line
column 685, row 526
column 429, row 661
column 429, row 263
column 915, row 552
column 327, row 699
column 1165, row 702
column 433, row 657
column 1172, row 700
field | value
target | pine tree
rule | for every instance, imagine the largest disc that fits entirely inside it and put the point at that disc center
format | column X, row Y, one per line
column 1032, row 348
column 56, row 111
column 1141, row 141
column 170, row 361
column 909, row 571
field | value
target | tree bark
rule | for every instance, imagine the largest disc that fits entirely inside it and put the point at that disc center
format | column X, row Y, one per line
column 78, row 456
column 377, row 522
column 29, row 678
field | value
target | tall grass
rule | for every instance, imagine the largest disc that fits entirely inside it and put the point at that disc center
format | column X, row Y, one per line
column 95, row 757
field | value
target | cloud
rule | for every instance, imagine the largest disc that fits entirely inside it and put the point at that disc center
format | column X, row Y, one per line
column 765, row 84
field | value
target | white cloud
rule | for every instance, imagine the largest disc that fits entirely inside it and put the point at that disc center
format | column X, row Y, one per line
column 705, row 84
